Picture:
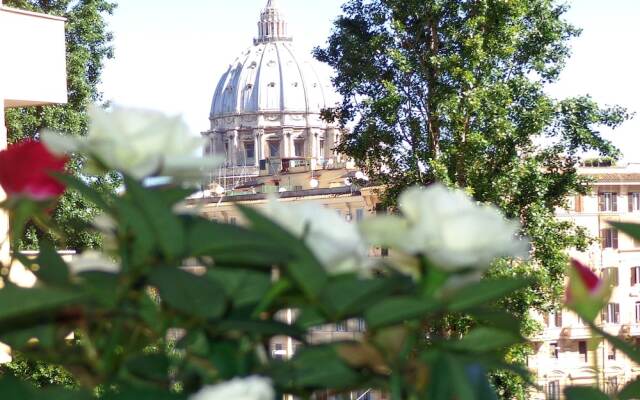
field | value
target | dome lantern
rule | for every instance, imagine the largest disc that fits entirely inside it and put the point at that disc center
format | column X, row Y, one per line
column 272, row 26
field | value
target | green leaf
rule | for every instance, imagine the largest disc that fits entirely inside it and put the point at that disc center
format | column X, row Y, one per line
column 484, row 292
column 167, row 227
column 142, row 394
column 631, row 391
column 13, row 389
column 46, row 335
column 460, row 383
column 17, row 302
column 305, row 269
column 173, row 195
column 87, row 192
column 632, row 230
column 315, row 367
column 584, row 393
column 309, row 317
column 102, row 286
column 233, row 245
column 396, row 310
column 52, row 268
column 350, row 294
column 261, row 328
column 188, row 293
column 20, row 215
column 482, row 340
column 149, row 367
column 132, row 222
column 243, row 287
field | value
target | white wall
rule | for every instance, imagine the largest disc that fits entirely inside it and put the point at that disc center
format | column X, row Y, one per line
column 32, row 50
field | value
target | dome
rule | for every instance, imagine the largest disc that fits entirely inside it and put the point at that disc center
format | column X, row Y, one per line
column 272, row 76
column 268, row 104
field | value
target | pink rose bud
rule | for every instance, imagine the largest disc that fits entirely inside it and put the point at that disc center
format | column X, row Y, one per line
column 586, row 294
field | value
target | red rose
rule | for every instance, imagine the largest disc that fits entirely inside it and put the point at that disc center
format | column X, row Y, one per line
column 25, row 170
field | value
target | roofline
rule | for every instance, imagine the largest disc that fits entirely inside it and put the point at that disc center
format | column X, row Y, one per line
column 339, row 191
column 31, row 13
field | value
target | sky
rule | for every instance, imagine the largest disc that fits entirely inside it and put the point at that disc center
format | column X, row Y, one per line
column 169, row 55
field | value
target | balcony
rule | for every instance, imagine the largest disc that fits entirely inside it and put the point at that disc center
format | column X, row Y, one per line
column 278, row 166
column 630, row 330
column 576, row 333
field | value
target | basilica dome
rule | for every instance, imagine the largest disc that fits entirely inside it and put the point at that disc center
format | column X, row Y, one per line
column 268, row 103
column 273, row 77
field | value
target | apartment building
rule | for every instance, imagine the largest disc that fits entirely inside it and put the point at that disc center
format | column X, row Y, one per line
column 565, row 352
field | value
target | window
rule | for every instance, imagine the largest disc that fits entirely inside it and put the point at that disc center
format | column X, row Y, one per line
column 250, row 151
column 611, row 385
column 359, row 214
column 321, row 150
column 638, row 311
column 298, row 148
column 361, row 395
column 274, row 148
column 553, row 350
column 635, row 276
column 608, row 201
column 278, row 352
column 582, row 350
column 554, row 319
column 610, row 275
column 553, row 390
column 609, row 238
column 233, row 221
column 611, row 354
column 611, row 314
column 341, row 327
column 381, row 210
column 361, row 324
column 634, row 201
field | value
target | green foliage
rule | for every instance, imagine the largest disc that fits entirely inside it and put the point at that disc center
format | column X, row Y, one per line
column 454, row 91
column 88, row 47
column 151, row 325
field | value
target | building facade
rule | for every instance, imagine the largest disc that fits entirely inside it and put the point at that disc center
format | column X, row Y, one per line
column 565, row 355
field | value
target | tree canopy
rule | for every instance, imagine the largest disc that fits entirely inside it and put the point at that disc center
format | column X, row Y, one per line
column 455, row 91
column 89, row 45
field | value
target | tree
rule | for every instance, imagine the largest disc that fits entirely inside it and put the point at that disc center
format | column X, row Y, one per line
column 88, row 47
column 454, row 91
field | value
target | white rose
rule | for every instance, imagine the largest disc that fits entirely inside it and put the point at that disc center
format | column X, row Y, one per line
column 5, row 354
column 93, row 261
column 449, row 227
column 137, row 142
column 252, row 388
column 336, row 243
